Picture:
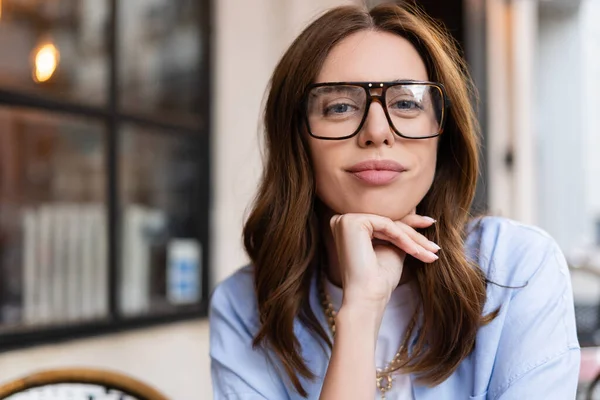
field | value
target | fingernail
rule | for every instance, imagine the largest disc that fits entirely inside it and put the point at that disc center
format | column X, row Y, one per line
column 435, row 245
column 433, row 221
column 435, row 256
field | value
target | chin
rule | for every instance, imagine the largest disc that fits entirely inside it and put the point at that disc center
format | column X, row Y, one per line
column 393, row 205
column 385, row 210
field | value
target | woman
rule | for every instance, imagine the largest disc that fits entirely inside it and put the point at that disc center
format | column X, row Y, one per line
column 371, row 168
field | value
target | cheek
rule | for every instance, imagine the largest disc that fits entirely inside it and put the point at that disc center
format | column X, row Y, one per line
column 324, row 172
column 316, row 156
column 430, row 164
column 326, row 160
column 427, row 160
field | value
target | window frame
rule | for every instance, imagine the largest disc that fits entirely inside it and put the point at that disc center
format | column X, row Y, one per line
column 113, row 118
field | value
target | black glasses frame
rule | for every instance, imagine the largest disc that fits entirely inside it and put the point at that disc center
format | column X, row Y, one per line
column 380, row 98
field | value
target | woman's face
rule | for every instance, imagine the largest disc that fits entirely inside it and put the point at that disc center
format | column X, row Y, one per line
column 341, row 183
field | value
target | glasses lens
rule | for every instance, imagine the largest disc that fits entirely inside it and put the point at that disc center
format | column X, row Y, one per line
column 416, row 111
column 335, row 111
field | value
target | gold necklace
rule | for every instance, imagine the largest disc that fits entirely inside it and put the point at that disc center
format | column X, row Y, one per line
column 384, row 378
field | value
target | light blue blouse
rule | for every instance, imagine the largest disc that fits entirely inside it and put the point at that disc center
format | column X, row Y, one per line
column 530, row 351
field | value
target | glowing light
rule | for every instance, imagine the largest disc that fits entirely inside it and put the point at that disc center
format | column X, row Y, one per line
column 45, row 62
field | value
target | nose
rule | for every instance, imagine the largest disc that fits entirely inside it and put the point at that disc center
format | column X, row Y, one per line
column 376, row 130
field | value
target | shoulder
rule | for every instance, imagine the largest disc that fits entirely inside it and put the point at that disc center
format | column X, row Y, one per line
column 238, row 368
column 234, row 299
column 533, row 337
column 509, row 252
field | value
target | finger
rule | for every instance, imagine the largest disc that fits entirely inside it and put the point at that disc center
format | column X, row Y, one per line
column 419, row 238
column 389, row 254
column 417, row 221
column 386, row 229
column 409, row 246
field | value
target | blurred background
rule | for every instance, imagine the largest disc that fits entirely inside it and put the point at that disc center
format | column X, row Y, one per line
column 129, row 154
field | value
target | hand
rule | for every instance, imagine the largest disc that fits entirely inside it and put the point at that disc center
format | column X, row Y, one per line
column 370, row 272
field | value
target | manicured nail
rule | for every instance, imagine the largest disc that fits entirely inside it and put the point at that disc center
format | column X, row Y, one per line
column 435, row 256
column 433, row 221
column 435, row 245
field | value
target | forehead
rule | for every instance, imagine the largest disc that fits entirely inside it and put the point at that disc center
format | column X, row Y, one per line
column 372, row 56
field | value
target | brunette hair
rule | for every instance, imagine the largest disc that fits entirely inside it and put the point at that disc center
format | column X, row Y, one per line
column 281, row 234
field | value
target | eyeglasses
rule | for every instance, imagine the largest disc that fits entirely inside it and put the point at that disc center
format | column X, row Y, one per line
column 338, row 110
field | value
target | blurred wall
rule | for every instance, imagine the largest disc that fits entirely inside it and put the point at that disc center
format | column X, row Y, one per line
column 590, row 13
column 249, row 42
column 543, row 60
column 249, row 38
column 560, row 125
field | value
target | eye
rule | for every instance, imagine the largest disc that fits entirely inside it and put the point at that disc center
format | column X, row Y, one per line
column 339, row 108
column 406, row 105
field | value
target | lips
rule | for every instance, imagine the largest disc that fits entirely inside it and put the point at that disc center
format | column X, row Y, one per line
column 377, row 165
column 377, row 172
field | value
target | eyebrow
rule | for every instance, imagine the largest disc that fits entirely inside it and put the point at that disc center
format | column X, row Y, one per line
column 337, row 89
column 405, row 80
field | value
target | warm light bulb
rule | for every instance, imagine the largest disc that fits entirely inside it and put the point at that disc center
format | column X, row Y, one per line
column 45, row 62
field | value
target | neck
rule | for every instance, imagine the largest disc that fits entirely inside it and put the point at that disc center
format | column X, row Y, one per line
column 332, row 266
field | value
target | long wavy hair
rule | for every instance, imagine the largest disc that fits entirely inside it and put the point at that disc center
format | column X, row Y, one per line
column 281, row 234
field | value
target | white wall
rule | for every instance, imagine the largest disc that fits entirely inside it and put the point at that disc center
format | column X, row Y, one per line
column 560, row 152
column 249, row 38
column 590, row 14
column 569, row 123
column 543, row 62
column 562, row 136
column 248, row 44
